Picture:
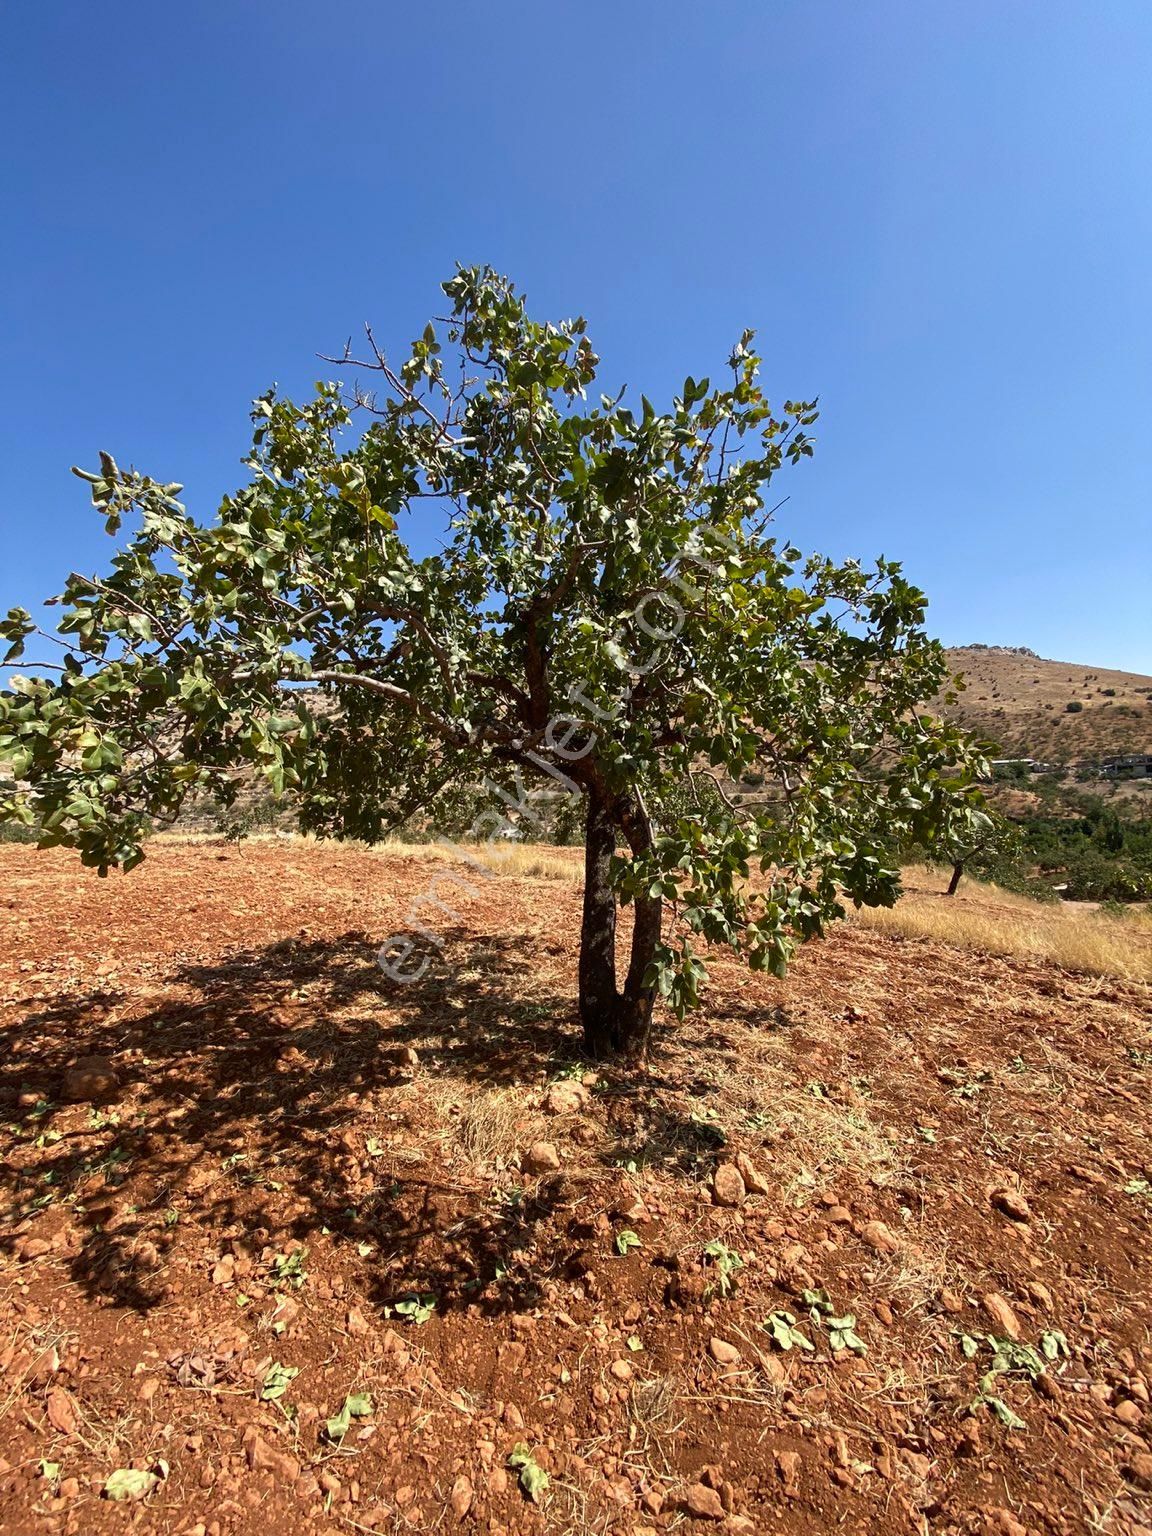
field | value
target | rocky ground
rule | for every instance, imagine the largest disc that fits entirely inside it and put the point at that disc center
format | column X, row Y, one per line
column 289, row 1246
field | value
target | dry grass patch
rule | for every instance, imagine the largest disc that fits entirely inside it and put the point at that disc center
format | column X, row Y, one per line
column 521, row 860
column 654, row 1419
column 1073, row 936
column 488, row 1125
column 531, row 861
column 826, row 1136
column 106, row 1437
column 813, row 1129
column 29, row 1357
column 923, row 1267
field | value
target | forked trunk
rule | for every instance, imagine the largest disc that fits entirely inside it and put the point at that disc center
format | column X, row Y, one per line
column 615, row 1022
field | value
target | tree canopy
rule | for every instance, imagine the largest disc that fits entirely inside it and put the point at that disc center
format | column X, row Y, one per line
column 609, row 614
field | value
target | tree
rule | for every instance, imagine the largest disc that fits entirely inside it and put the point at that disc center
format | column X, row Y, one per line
column 975, row 835
column 608, row 616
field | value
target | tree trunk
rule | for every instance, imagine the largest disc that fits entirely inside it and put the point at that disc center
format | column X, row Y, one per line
column 598, row 998
column 957, row 874
column 615, row 1023
column 639, row 995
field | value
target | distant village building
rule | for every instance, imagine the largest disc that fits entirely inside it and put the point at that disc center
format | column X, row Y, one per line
column 1131, row 765
column 1026, row 764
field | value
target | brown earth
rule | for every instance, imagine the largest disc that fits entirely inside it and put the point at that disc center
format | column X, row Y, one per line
column 292, row 1145
column 1020, row 702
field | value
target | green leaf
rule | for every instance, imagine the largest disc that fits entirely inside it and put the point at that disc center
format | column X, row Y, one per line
column 625, row 1241
column 784, row 1332
column 534, row 1481
column 277, row 1379
column 1002, row 1411
column 726, row 1260
column 417, row 1309
column 1053, row 1344
column 842, row 1334
column 357, row 1405
column 288, row 1268
column 128, row 1483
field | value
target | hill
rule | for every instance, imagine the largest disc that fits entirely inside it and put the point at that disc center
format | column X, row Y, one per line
column 1021, row 702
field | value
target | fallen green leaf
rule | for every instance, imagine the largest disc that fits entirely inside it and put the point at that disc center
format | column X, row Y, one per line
column 128, row 1483
column 417, row 1309
column 1053, row 1344
column 1002, row 1411
column 277, row 1380
column 534, row 1481
column 842, row 1334
column 782, row 1327
column 357, row 1405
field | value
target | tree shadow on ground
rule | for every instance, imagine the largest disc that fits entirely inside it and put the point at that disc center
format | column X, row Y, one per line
column 272, row 1095
column 249, row 1089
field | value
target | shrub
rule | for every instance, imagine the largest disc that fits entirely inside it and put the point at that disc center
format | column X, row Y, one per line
column 14, row 832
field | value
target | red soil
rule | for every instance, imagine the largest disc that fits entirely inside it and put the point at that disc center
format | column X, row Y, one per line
column 269, row 1104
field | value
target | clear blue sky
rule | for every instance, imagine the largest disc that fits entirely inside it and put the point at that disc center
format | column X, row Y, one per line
column 938, row 217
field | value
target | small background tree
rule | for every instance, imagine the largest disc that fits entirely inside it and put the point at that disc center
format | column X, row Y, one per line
column 609, row 615
column 976, row 838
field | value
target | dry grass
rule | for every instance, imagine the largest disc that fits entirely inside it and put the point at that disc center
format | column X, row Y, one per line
column 1020, row 702
column 488, row 1125
column 538, row 861
column 33, row 1344
column 828, row 1136
column 814, row 1128
column 521, row 860
column 1073, row 936
column 654, row 1420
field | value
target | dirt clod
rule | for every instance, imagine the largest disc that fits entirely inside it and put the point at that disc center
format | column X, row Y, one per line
column 702, row 1502
column 728, row 1185
column 1011, row 1203
column 264, row 1457
column 90, row 1079
column 879, row 1237
column 788, row 1466
column 61, row 1411
column 542, row 1157
column 1001, row 1315
column 460, row 1499
column 754, row 1181
column 566, row 1098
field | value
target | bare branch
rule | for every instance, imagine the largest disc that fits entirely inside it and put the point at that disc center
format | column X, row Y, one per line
column 382, row 366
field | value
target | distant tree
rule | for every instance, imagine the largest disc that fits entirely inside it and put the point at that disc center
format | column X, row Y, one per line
column 976, row 837
column 608, row 614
